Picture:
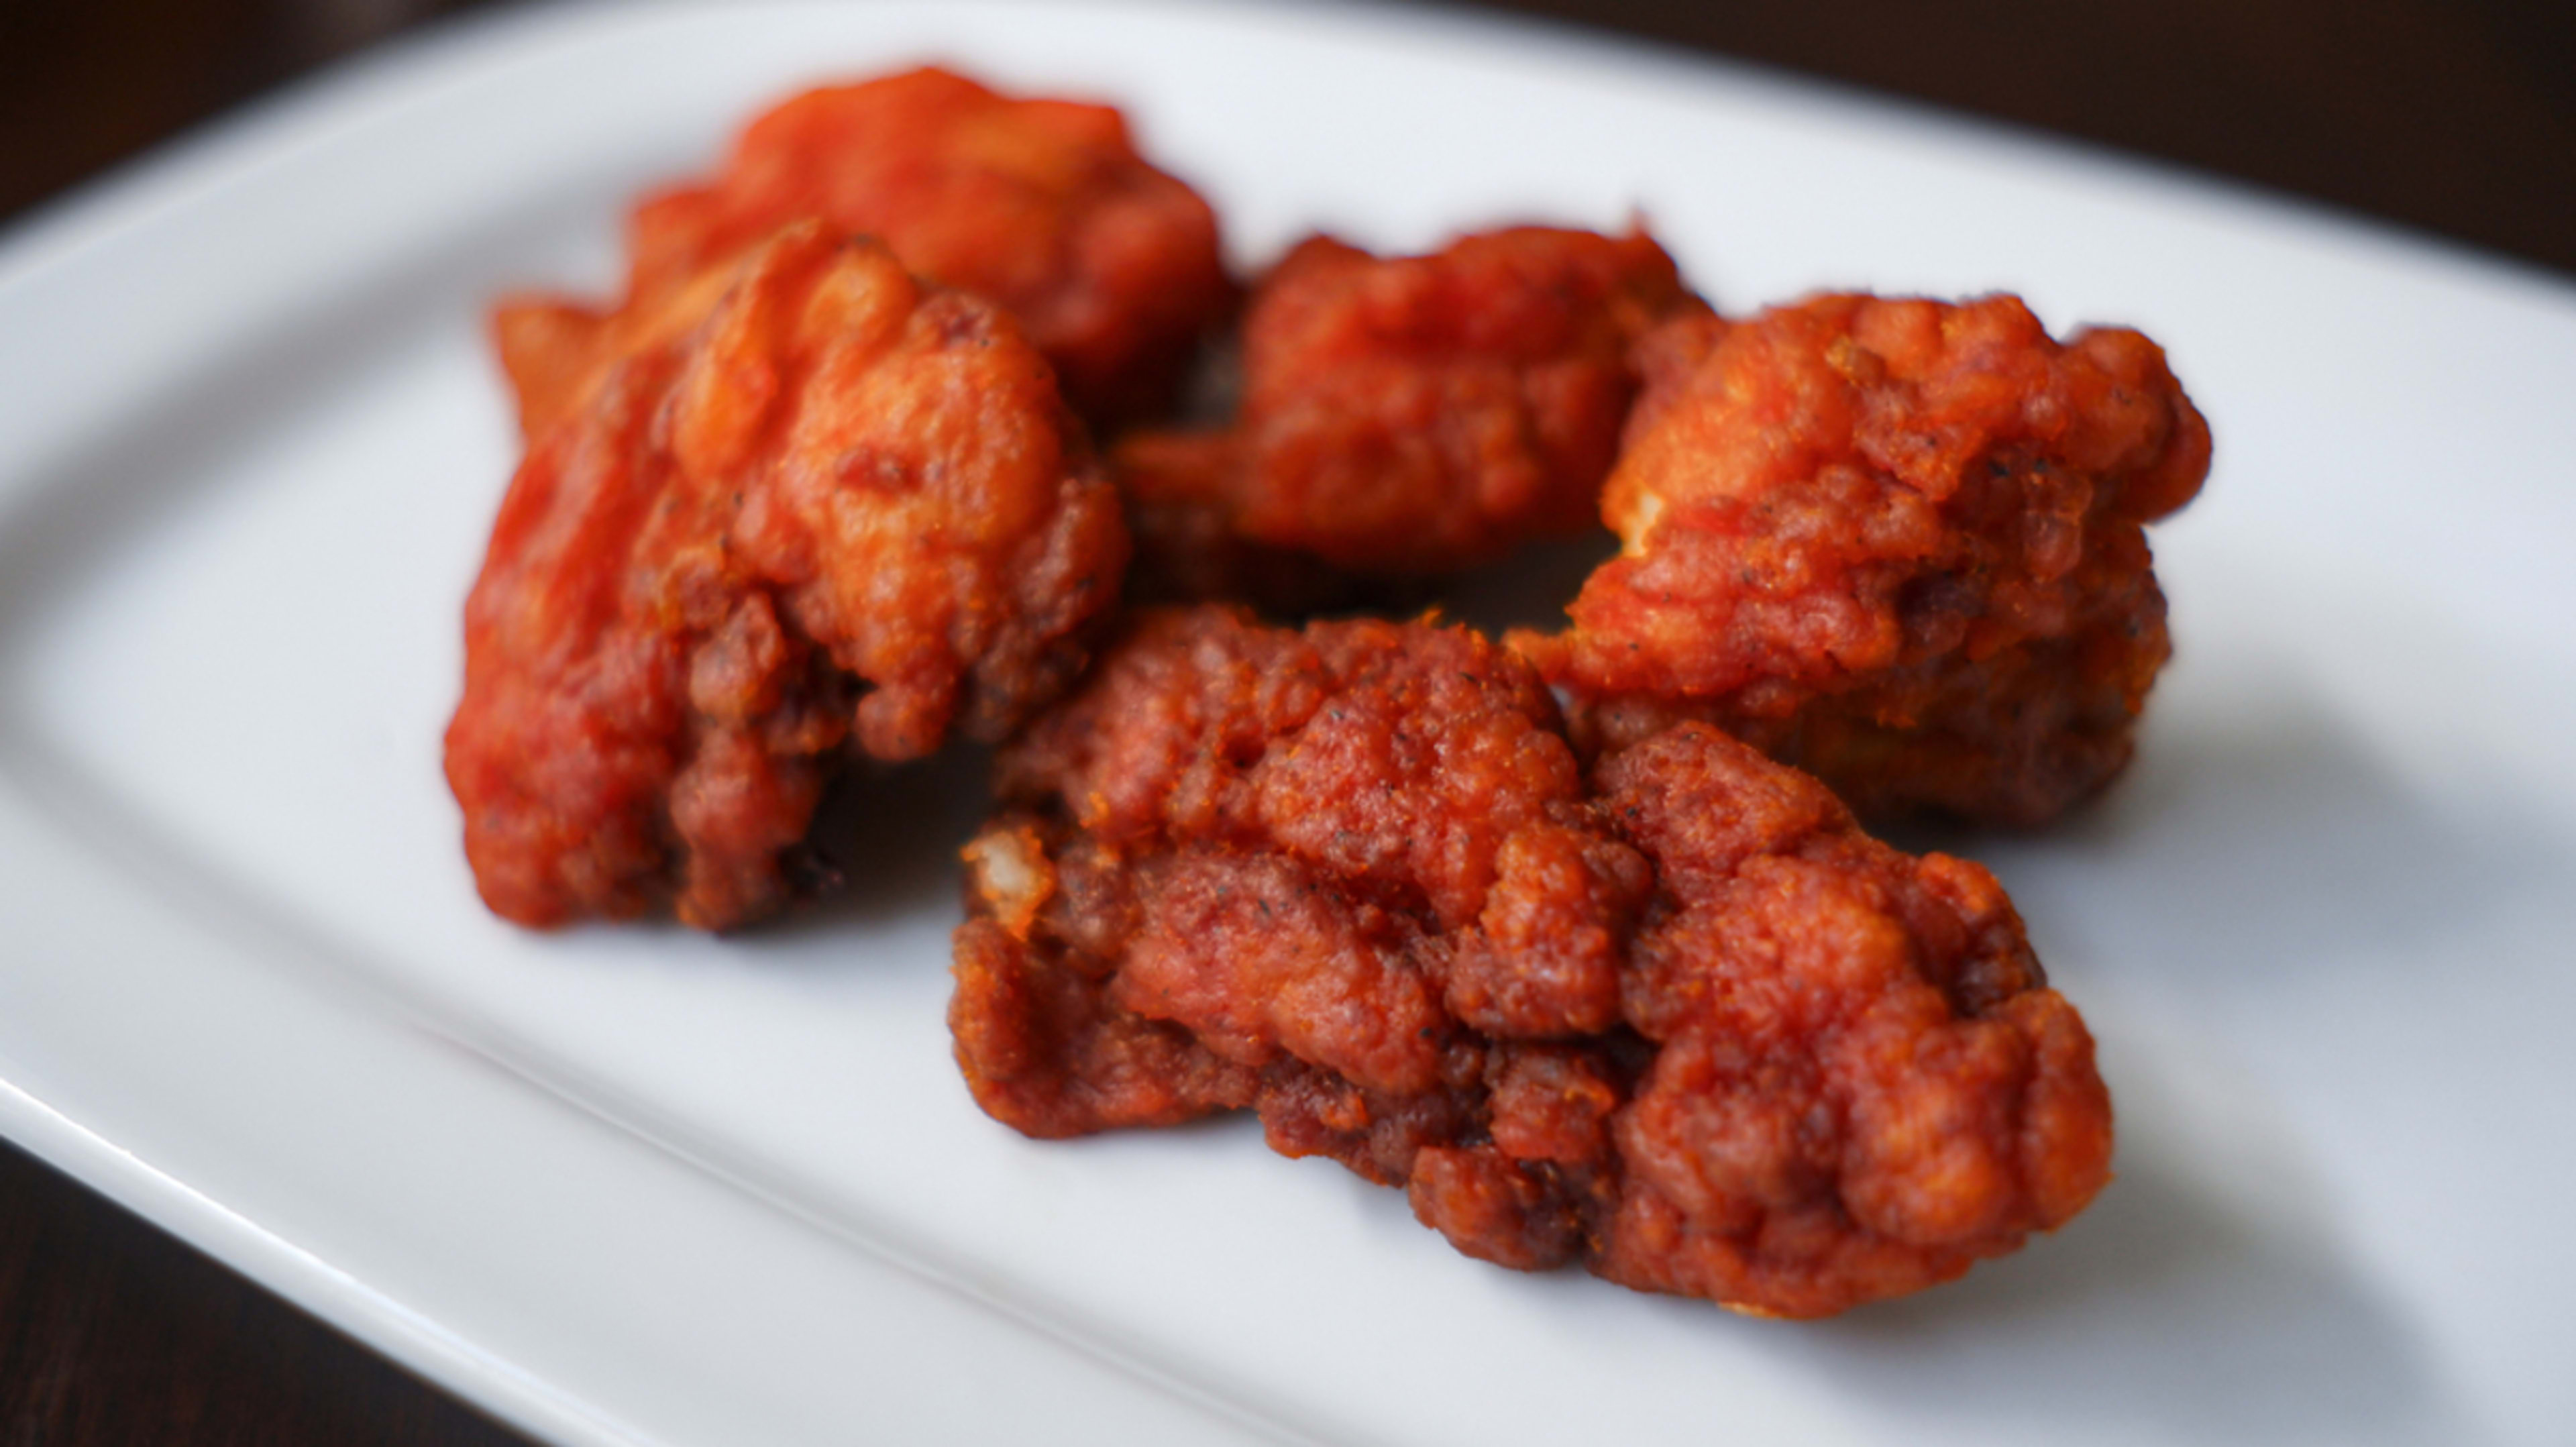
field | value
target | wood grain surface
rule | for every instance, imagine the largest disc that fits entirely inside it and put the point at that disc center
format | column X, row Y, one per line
column 2453, row 117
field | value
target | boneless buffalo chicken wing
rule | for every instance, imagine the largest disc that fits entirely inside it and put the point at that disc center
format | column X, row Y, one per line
column 1896, row 542
column 1111, row 266
column 1411, row 416
column 1676, row 1019
column 828, row 509
column 1536, row 932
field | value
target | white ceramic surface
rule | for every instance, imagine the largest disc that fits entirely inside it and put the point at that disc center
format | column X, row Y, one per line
column 628, row 1185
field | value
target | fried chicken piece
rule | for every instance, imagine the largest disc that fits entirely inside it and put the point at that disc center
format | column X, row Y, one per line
column 1681, row 1022
column 1111, row 266
column 1416, row 415
column 1897, row 543
column 1862, row 1083
column 841, row 509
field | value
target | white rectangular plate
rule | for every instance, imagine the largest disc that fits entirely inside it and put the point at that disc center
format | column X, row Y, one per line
column 629, row 1184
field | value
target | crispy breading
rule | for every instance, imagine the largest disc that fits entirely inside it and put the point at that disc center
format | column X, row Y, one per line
column 1680, row 1021
column 837, row 509
column 1897, row 543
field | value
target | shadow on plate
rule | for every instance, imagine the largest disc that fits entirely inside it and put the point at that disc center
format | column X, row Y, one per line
column 2161, row 1311
column 889, row 836
column 2183, row 1306
column 2260, row 842
column 2260, row 845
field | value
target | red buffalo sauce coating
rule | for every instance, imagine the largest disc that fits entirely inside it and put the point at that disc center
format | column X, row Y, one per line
column 1111, row 266
column 1897, row 543
column 1679, row 1021
column 835, row 509
column 1420, row 414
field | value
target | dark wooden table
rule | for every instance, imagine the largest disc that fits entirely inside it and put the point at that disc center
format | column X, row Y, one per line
column 2454, row 117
